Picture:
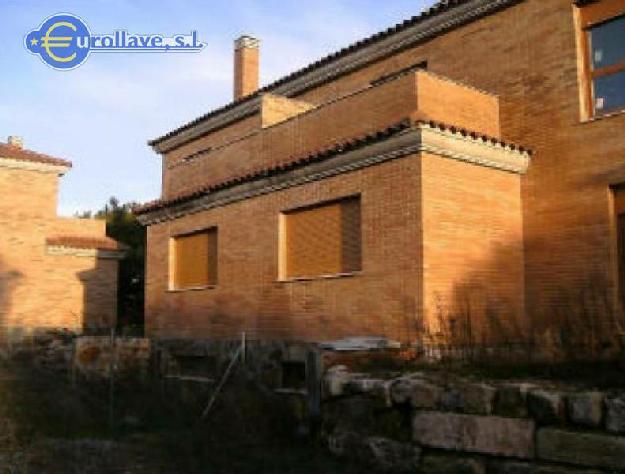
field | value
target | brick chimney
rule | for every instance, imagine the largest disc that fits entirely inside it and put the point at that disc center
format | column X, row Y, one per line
column 246, row 66
column 15, row 141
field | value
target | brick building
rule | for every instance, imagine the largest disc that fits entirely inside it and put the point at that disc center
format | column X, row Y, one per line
column 386, row 189
column 55, row 272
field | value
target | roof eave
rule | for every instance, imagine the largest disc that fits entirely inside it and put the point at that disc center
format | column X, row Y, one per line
column 404, row 35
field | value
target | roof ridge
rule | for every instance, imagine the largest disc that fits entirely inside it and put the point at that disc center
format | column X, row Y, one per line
column 343, row 146
column 21, row 154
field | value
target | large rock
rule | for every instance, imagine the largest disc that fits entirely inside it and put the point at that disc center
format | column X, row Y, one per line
column 367, row 416
column 511, row 467
column 335, row 380
column 504, row 437
column 615, row 414
column 418, row 393
column 466, row 397
column 583, row 449
column 383, row 453
column 447, row 464
column 390, row 455
column 546, row 407
column 515, row 467
column 478, row 398
column 452, row 400
column 377, row 388
column 586, row 409
column 563, row 470
column 511, row 400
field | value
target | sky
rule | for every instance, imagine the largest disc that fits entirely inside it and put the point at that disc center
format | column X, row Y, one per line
column 101, row 115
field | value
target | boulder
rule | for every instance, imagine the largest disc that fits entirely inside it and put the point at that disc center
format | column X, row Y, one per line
column 389, row 455
column 505, row 437
column 546, row 407
column 447, row 464
column 583, row 449
column 382, row 453
column 585, row 409
column 615, row 414
column 511, row 400
column 418, row 393
column 511, row 467
column 335, row 380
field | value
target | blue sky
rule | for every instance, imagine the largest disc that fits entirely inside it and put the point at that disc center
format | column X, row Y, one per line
column 100, row 115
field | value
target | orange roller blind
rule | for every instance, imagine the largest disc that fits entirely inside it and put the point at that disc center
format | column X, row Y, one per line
column 324, row 240
column 195, row 260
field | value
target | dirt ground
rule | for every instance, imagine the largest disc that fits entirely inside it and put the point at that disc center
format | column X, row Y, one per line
column 49, row 426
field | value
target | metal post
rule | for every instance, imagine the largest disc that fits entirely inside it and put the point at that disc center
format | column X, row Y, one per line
column 112, row 380
column 243, row 347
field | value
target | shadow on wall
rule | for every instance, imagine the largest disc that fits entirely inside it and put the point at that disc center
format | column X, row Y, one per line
column 99, row 297
column 483, row 318
column 9, row 279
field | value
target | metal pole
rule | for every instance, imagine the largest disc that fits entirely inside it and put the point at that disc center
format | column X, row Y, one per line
column 112, row 381
column 222, row 382
column 243, row 346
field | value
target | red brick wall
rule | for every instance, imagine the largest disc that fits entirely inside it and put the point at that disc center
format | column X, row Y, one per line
column 38, row 290
column 365, row 112
column 472, row 251
column 249, row 297
column 527, row 54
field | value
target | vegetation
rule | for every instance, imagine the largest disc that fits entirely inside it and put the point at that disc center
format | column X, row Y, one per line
column 122, row 225
column 48, row 425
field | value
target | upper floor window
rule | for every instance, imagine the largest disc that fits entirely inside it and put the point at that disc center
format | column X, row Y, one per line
column 321, row 240
column 604, row 29
column 193, row 260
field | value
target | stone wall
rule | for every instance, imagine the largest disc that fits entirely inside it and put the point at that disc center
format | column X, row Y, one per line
column 430, row 423
column 97, row 356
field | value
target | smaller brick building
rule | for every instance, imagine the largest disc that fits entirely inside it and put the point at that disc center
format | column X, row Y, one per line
column 55, row 272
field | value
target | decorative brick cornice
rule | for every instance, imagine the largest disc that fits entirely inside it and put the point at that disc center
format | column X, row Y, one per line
column 57, row 250
column 41, row 167
column 416, row 30
column 396, row 142
column 77, row 246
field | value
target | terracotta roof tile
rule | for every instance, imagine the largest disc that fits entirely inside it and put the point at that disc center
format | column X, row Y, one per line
column 76, row 242
column 16, row 153
column 319, row 155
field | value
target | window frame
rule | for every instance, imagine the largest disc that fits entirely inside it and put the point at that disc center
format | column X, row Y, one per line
column 283, row 275
column 591, row 16
column 172, row 283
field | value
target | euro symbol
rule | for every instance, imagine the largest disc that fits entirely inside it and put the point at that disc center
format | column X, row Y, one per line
column 58, row 42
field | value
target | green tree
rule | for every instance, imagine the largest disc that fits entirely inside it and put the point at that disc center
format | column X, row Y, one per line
column 122, row 225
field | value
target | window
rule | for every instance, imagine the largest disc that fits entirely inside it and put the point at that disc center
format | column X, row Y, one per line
column 194, row 260
column 322, row 240
column 604, row 26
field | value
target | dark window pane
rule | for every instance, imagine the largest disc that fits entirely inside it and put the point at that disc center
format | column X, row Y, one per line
column 610, row 92
column 608, row 43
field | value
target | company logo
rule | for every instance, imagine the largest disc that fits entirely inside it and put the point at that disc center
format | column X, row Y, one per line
column 64, row 42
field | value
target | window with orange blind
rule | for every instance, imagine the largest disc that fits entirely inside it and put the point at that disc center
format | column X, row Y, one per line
column 194, row 260
column 603, row 24
column 322, row 240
